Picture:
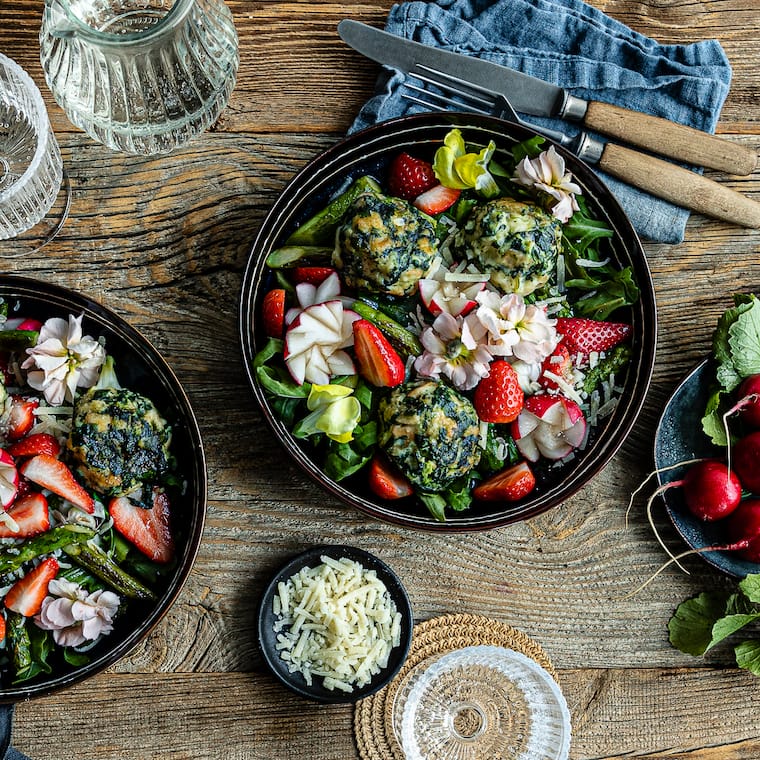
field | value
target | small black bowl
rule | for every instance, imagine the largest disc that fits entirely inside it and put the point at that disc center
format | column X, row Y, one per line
column 679, row 438
column 268, row 638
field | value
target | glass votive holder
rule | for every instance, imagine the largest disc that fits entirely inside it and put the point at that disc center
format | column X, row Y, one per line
column 31, row 170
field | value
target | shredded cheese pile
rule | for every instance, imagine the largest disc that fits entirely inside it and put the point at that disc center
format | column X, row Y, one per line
column 336, row 621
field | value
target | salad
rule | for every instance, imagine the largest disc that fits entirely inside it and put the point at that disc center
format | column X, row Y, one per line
column 446, row 332
column 86, row 472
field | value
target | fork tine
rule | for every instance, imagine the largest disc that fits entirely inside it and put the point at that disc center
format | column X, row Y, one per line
column 436, row 101
column 483, row 100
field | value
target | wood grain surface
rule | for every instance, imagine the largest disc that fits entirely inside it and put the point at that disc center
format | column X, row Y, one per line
column 164, row 241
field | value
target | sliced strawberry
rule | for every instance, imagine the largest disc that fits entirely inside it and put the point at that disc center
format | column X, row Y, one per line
column 312, row 275
column 20, row 417
column 148, row 529
column 273, row 312
column 558, row 364
column 409, row 177
column 512, row 484
column 36, row 443
column 499, row 397
column 32, row 325
column 27, row 594
column 9, row 479
column 30, row 513
column 2, row 629
column 49, row 472
column 584, row 336
column 378, row 361
column 386, row 481
column 437, row 199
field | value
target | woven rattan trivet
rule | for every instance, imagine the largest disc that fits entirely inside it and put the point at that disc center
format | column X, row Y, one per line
column 373, row 716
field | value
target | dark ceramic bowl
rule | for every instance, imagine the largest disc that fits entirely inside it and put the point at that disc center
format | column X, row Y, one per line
column 370, row 152
column 140, row 368
column 268, row 637
column 679, row 438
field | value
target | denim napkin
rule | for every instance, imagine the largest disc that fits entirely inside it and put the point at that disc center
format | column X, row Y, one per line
column 571, row 44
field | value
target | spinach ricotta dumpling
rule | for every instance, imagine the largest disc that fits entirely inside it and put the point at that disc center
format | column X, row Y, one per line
column 385, row 245
column 516, row 243
column 431, row 433
column 118, row 441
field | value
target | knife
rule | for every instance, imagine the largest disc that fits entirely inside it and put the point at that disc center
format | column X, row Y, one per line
column 530, row 95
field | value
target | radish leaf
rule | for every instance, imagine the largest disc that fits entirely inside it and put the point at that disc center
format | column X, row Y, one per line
column 748, row 656
column 691, row 626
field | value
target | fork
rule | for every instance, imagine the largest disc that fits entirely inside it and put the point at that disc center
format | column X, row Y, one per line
column 663, row 179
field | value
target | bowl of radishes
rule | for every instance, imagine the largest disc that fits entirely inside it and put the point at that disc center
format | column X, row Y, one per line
column 448, row 322
column 707, row 448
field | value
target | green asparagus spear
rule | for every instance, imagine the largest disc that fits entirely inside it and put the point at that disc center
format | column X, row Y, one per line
column 45, row 543
column 405, row 340
column 15, row 340
column 320, row 229
column 616, row 360
column 292, row 254
column 94, row 559
column 19, row 643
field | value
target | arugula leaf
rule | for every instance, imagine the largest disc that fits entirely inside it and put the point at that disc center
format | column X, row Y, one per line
column 690, row 628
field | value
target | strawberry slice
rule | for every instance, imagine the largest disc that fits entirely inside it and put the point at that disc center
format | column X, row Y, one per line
column 409, row 177
column 9, row 479
column 30, row 513
column 512, row 484
column 27, row 594
column 273, row 312
column 20, row 417
column 437, row 199
column 378, row 361
column 313, row 275
column 36, row 443
column 386, row 481
column 558, row 364
column 584, row 336
column 2, row 629
column 148, row 529
column 48, row 472
column 499, row 397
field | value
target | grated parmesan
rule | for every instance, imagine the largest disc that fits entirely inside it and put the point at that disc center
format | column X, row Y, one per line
column 336, row 621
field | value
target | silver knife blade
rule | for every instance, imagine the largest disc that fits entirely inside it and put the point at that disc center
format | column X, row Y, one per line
column 527, row 94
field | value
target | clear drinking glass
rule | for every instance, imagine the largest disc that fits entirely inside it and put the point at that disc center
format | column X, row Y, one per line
column 31, row 170
column 480, row 703
column 140, row 76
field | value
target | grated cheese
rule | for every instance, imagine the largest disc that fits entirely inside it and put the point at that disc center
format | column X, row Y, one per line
column 336, row 621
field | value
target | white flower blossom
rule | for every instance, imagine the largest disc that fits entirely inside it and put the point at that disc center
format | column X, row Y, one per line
column 456, row 348
column 63, row 360
column 515, row 328
column 547, row 173
column 73, row 615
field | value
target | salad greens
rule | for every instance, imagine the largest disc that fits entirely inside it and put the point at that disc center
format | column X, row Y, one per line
column 704, row 621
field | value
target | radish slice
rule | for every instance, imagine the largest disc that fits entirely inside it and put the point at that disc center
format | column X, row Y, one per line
column 549, row 426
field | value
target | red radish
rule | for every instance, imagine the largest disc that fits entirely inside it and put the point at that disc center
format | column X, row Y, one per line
column 711, row 491
column 9, row 478
column 748, row 405
column 548, row 426
column 746, row 458
column 744, row 525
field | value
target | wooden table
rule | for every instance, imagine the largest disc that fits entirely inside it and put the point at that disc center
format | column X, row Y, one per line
column 163, row 241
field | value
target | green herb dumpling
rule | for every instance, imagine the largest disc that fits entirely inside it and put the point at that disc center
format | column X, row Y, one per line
column 430, row 432
column 385, row 245
column 517, row 243
column 118, row 441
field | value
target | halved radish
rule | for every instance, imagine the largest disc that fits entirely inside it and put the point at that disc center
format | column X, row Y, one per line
column 549, row 426
column 314, row 343
column 456, row 297
column 8, row 479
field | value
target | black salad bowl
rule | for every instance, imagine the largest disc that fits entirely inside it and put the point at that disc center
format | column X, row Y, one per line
column 369, row 153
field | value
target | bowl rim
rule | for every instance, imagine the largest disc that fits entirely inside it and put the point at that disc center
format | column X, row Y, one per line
column 59, row 297
column 265, row 618
column 324, row 167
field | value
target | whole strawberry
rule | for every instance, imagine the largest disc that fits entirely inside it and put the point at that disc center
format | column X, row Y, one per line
column 499, row 397
column 584, row 336
column 409, row 177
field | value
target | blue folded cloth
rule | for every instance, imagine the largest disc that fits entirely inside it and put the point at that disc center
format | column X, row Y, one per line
column 571, row 44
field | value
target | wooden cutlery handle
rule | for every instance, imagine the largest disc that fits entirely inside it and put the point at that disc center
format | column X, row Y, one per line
column 679, row 186
column 667, row 138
